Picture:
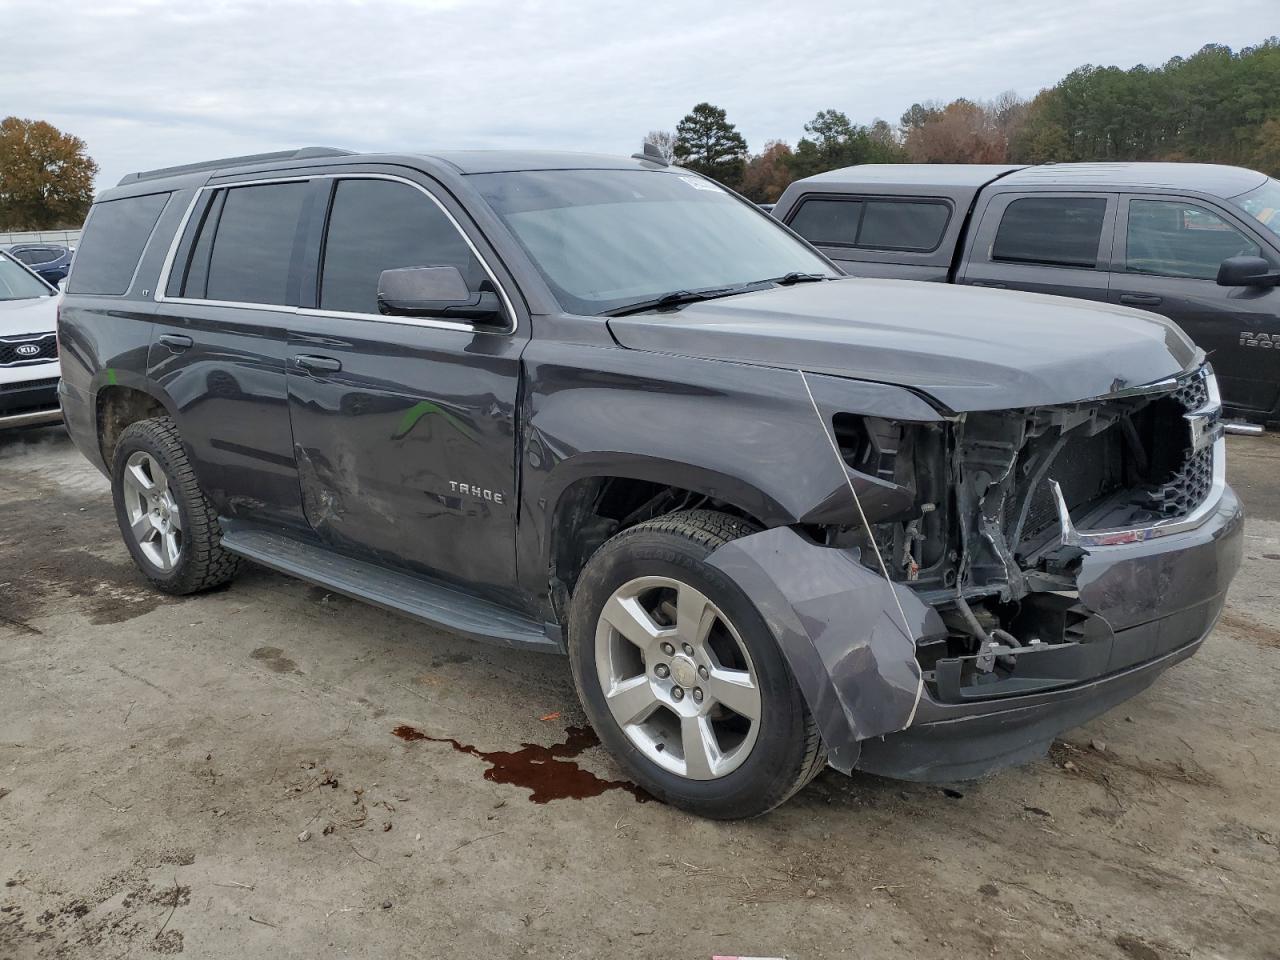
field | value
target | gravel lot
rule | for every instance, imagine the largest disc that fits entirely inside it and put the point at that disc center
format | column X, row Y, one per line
column 222, row 776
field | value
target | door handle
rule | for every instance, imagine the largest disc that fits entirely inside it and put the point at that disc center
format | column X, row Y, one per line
column 1140, row 299
column 994, row 284
column 176, row 341
column 318, row 364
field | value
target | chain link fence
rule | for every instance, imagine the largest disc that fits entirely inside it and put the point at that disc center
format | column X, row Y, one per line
column 68, row 237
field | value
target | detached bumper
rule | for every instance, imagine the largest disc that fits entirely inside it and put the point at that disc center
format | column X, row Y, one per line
column 964, row 745
column 1161, row 598
column 841, row 628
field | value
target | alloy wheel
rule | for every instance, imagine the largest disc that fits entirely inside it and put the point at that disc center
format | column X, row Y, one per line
column 154, row 518
column 677, row 678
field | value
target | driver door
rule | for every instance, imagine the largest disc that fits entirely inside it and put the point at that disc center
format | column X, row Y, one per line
column 404, row 428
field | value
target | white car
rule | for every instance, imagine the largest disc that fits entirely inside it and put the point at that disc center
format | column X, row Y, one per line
column 28, row 347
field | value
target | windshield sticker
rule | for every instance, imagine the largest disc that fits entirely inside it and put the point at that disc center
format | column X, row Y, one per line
column 699, row 184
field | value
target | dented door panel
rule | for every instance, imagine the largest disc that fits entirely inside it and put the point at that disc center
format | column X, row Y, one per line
column 406, row 453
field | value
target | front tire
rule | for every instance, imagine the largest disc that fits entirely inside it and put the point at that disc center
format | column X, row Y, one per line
column 681, row 677
column 168, row 524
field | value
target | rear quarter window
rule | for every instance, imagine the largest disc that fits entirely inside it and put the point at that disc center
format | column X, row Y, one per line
column 889, row 223
column 114, row 237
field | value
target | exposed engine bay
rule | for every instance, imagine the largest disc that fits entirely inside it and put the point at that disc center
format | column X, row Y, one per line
column 1004, row 507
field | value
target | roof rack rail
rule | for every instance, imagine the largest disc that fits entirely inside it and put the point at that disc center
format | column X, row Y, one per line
column 304, row 153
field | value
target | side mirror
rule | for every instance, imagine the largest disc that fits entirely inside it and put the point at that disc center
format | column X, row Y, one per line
column 435, row 292
column 1246, row 272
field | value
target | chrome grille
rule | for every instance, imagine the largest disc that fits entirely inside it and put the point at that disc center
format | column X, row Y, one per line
column 1187, row 489
column 1193, row 393
column 28, row 348
column 1180, row 437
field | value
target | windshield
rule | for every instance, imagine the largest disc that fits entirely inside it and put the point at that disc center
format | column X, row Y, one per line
column 1263, row 204
column 606, row 239
column 16, row 283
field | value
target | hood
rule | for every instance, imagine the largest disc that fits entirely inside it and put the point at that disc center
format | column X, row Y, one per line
column 968, row 348
column 36, row 315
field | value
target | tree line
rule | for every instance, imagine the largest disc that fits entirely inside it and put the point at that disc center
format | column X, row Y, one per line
column 1215, row 106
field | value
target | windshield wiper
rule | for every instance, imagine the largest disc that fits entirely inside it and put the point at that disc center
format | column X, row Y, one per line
column 787, row 279
column 673, row 299
column 678, row 297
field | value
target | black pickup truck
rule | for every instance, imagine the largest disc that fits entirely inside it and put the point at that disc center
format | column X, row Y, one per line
column 1198, row 243
column 775, row 516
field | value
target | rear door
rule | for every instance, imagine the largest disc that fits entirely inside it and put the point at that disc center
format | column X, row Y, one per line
column 404, row 427
column 219, row 349
column 1168, row 251
column 1056, row 243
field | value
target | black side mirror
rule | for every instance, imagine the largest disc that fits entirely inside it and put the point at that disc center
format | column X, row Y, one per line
column 435, row 292
column 1246, row 272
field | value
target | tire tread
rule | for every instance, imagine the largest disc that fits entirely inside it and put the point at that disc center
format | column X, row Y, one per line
column 208, row 565
column 712, row 529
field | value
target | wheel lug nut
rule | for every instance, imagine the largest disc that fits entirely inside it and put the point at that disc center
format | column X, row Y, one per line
column 662, row 671
column 697, row 694
column 677, row 693
column 668, row 649
column 688, row 649
column 703, row 673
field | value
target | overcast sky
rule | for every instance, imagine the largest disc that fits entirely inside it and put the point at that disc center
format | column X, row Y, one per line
column 149, row 83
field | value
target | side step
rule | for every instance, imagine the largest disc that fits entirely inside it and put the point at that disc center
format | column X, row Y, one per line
column 419, row 598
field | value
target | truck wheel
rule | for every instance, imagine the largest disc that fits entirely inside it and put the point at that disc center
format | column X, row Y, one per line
column 680, row 676
column 169, row 526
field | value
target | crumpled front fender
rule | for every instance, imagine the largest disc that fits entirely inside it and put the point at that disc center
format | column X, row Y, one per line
column 841, row 631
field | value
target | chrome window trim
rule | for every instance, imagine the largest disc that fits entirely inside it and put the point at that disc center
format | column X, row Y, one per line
column 429, row 322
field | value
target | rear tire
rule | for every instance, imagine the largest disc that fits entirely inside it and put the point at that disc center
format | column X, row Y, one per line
column 168, row 524
column 687, row 733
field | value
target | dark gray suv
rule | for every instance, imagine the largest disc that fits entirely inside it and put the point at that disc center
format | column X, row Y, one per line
column 776, row 517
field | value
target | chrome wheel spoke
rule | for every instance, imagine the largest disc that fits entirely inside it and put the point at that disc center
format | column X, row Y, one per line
column 170, row 547
column 632, row 621
column 632, row 701
column 736, row 690
column 143, row 529
column 695, row 615
column 137, row 473
column 701, row 750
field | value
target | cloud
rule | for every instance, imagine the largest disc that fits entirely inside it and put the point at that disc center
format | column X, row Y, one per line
column 149, row 83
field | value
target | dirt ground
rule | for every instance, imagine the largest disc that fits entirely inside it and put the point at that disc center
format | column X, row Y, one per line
column 266, row 771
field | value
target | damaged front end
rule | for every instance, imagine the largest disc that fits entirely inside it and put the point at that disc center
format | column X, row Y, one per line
column 1027, row 495
column 1044, row 550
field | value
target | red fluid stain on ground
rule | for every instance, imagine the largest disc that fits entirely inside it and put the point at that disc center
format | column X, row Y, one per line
column 546, row 771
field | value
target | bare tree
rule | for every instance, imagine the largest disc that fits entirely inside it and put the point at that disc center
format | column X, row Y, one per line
column 665, row 141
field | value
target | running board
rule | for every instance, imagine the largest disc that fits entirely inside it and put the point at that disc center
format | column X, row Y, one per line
column 416, row 597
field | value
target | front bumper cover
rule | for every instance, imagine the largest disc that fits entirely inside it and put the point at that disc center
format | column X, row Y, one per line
column 842, row 633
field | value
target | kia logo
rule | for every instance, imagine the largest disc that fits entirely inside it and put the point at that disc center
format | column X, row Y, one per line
column 27, row 349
